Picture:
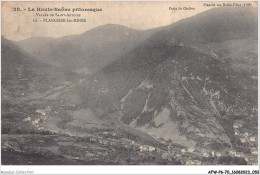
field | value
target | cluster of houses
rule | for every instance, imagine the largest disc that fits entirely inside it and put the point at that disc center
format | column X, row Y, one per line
column 185, row 154
column 146, row 148
column 34, row 122
column 245, row 137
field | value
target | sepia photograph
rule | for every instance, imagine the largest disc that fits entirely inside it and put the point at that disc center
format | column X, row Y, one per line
column 129, row 83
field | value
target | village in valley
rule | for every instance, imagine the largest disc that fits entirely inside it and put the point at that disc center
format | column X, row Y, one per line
column 108, row 143
column 177, row 94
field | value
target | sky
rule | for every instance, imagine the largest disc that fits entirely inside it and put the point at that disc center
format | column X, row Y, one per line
column 19, row 25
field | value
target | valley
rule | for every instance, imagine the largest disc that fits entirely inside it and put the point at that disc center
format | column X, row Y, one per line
column 183, row 94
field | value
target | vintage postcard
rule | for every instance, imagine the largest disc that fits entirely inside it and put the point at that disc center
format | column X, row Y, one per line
column 129, row 83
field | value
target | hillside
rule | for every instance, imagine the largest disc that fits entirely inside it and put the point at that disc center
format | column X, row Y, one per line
column 19, row 70
column 215, row 25
column 179, row 90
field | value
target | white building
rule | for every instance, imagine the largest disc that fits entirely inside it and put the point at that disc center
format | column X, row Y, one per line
column 213, row 153
column 252, row 139
column 40, row 111
column 255, row 152
column 27, row 119
column 205, row 155
column 151, row 148
column 233, row 153
column 243, row 140
column 218, row 154
column 143, row 148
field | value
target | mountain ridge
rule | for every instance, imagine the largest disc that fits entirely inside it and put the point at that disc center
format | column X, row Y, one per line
column 90, row 50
